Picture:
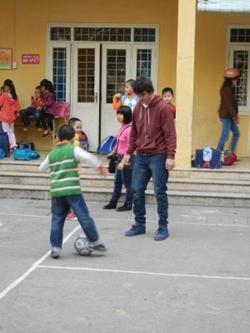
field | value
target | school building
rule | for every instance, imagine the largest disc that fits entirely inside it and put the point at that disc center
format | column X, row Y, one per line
column 89, row 48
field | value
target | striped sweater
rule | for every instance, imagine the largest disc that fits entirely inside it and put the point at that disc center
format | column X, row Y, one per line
column 64, row 177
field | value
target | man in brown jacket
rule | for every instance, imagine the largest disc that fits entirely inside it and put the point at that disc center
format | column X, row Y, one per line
column 153, row 140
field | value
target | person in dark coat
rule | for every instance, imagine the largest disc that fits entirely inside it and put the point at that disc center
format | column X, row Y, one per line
column 228, row 111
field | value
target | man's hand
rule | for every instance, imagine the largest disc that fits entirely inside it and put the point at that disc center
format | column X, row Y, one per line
column 170, row 164
column 127, row 159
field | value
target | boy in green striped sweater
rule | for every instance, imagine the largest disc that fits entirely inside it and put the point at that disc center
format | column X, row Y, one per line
column 66, row 191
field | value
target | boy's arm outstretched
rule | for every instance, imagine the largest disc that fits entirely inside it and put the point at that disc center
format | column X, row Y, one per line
column 84, row 156
column 44, row 166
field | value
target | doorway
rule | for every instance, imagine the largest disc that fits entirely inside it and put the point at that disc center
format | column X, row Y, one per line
column 88, row 73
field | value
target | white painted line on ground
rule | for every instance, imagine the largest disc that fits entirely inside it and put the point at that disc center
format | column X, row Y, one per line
column 24, row 215
column 34, row 266
column 176, row 222
column 148, row 221
column 103, row 270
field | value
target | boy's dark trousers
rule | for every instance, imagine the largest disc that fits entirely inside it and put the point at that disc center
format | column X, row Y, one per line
column 60, row 209
column 31, row 111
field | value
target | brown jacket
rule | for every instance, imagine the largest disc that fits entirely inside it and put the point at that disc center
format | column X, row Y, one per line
column 153, row 129
column 228, row 105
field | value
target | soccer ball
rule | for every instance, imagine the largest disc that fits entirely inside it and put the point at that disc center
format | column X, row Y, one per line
column 81, row 245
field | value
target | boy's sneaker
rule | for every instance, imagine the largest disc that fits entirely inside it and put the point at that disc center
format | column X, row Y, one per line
column 55, row 252
column 135, row 230
column 71, row 217
column 98, row 249
column 161, row 234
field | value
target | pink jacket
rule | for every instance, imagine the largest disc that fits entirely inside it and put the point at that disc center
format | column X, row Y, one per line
column 56, row 108
column 123, row 139
column 9, row 108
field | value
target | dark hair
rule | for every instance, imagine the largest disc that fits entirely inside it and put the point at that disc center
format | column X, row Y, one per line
column 48, row 85
column 66, row 132
column 9, row 83
column 38, row 87
column 166, row 90
column 73, row 120
column 143, row 84
column 126, row 112
column 131, row 82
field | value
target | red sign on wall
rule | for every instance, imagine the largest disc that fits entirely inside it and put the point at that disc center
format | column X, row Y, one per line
column 30, row 59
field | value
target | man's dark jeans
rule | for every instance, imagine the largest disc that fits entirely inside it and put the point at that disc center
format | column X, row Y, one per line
column 144, row 168
column 60, row 209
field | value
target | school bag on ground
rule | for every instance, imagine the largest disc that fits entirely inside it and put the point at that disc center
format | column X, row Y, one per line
column 4, row 143
column 2, row 155
column 25, row 154
column 213, row 163
column 106, row 145
column 24, row 144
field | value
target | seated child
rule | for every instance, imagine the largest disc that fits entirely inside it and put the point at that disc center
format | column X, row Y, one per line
column 34, row 110
column 66, row 192
column 167, row 96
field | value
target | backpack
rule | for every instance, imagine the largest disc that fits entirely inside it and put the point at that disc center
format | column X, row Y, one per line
column 24, row 144
column 5, row 143
column 2, row 154
column 212, row 159
column 25, row 154
column 106, row 145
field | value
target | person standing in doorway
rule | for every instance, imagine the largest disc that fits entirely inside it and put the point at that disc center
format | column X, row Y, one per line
column 228, row 112
column 129, row 98
column 153, row 140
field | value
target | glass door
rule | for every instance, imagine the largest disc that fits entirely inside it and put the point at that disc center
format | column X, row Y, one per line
column 116, row 69
column 85, row 88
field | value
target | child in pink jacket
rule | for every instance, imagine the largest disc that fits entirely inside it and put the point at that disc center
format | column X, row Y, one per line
column 123, row 173
column 9, row 110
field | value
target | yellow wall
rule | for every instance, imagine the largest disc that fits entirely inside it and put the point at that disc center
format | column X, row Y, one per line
column 210, row 62
column 23, row 26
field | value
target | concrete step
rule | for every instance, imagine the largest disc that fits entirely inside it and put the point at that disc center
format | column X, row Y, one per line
column 8, row 164
column 104, row 194
column 98, row 181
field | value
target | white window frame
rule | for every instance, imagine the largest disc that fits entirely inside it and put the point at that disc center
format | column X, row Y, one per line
column 231, row 47
column 150, row 45
column 49, row 67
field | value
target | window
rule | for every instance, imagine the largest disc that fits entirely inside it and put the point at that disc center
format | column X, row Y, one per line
column 86, row 75
column 116, row 72
column 60, row 33
column 143, row 63
column 241, row 61
column 240, row 35
column 59, row 72
column 102, row 34
column 144, row 35
column 239, row 51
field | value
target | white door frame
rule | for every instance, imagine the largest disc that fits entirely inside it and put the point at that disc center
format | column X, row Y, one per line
column 88, row 112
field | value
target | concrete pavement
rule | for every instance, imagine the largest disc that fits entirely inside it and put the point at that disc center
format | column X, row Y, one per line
column 196, row 281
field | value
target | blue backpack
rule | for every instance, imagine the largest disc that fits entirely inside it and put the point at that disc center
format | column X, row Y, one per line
column 106, row 145
column 4, row 143
column 2, row 154
column 25, row 154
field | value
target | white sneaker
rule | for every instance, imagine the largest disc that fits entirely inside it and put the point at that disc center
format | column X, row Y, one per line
column 55, row 252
